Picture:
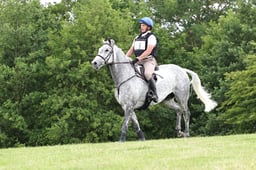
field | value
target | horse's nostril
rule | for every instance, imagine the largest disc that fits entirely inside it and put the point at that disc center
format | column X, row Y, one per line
column 95, row 63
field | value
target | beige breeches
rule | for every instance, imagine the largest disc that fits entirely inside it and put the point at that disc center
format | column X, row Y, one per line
column 149, row 65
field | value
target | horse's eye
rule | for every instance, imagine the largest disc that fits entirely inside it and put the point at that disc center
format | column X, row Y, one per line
column 107, row 50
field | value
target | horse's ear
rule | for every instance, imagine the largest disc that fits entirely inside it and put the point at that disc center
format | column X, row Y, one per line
column 106, row 41
column 112, row 42
column 109, row 41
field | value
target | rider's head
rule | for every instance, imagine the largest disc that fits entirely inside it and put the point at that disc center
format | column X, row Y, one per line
column 146, row 24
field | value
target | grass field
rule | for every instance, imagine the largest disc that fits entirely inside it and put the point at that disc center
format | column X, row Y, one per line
column 219, row 153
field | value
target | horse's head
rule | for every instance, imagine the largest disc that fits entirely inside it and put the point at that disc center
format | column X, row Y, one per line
column 105, row 54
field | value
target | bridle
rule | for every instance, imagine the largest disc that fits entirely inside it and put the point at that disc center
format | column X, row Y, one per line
column 105, row 59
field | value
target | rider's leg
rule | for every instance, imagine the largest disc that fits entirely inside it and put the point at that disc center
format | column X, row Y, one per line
column 149, row 66
column 152, row 86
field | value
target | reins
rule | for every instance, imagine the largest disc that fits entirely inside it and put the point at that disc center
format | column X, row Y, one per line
column 120, row 84
column 106, row 59
column 124, row 62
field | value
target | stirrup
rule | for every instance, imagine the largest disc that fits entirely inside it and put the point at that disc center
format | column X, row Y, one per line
column 153, row 96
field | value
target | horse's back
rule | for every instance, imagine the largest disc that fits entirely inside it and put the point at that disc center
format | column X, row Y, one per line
column 173, row 71
column 172, row 67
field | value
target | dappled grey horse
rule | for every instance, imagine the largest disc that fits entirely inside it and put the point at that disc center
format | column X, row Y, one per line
column 173, row 85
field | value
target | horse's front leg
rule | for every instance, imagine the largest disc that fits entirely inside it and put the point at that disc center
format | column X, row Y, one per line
column 127, row 116
column 136, row 125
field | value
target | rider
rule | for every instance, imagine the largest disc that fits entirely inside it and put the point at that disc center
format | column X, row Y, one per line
column 144, row 47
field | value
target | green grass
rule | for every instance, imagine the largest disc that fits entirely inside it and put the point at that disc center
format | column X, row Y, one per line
column 219, row 153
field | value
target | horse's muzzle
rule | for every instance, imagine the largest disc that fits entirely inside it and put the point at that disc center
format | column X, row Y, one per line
column 98, row 62
column 95, row 65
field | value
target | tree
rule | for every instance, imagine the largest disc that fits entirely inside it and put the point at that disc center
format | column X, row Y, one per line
column 239, row 108
column 49, row 93
column 225, row 45
column 23, row 48
column 80, row 97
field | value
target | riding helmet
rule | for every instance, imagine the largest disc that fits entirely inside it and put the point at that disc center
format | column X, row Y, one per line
column 148, row 21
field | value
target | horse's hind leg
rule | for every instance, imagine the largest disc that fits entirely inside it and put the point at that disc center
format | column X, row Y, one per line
column 183, row 103
column 171, row 103
column 136, row 125
column 181, row 108
column 178, row 124
column 186, row 117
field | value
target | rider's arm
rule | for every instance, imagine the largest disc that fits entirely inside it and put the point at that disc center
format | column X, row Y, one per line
column 146, row 53
column 130, row 51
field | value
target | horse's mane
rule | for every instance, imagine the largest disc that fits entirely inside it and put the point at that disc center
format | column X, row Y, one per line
column 113, row 44
column 122, row 53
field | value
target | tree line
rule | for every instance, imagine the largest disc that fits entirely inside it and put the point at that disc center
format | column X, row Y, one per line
column 49, row 93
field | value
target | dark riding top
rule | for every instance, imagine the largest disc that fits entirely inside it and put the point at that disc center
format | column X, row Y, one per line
column 140, row 45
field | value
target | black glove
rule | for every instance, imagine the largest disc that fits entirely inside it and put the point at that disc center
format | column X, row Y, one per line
column 135, row 60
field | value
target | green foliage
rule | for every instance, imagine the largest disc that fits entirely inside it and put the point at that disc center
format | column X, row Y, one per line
column 158, row 122
column 12, row 125
column 239, row 108
column 49, row 93
column 23, row 29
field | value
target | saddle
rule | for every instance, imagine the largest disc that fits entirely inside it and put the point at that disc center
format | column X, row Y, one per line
column 139, row 70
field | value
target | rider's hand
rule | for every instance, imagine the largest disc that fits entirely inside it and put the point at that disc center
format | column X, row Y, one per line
column 135, row 60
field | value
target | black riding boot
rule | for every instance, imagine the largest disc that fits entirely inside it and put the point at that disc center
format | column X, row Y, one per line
column 152, row 86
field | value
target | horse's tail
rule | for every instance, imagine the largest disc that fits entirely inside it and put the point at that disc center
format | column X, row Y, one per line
column 201, row 93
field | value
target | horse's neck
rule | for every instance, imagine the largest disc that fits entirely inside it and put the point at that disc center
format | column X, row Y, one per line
column 122, row 70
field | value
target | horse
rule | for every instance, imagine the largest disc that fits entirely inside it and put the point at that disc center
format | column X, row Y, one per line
column 173, row 88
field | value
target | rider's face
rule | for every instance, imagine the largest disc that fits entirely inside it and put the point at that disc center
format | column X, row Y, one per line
column 144, row 27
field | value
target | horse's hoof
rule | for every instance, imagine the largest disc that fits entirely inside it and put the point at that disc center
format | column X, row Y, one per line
column 186, row 135
column 141, row 139
column 141, row 136
column 123, row 137
column 180, row 134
